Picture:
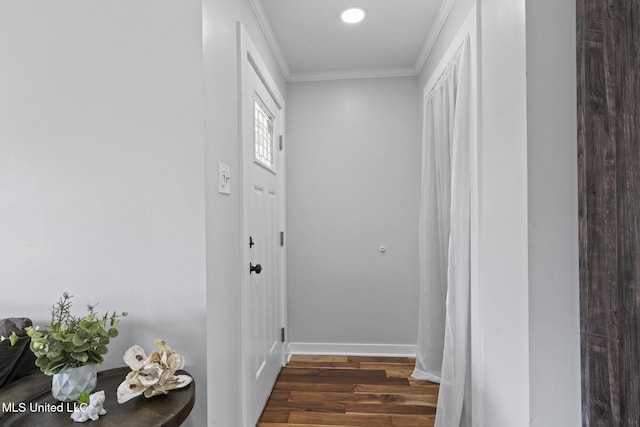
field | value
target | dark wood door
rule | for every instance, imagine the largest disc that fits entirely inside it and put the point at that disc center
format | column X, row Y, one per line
column 608, row 61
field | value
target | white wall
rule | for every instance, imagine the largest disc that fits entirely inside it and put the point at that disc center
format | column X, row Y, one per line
column 553, row 214
column 222, row 211
column 101, row 171
column 529, row 334
column 353, row 165
column 500, row 327
column 530, row 325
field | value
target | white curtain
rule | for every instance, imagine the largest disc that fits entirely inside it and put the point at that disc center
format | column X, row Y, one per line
column 444, row 240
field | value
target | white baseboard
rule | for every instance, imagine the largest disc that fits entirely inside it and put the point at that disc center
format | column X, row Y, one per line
column 335, row 349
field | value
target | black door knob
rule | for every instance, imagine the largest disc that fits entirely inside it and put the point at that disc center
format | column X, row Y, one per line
column 257, row 268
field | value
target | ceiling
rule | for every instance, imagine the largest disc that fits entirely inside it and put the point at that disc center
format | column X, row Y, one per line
column 310, row 41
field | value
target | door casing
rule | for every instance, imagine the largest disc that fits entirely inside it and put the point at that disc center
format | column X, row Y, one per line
column 249, row 59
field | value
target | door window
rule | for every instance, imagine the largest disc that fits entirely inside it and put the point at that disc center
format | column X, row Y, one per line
column 263, row 124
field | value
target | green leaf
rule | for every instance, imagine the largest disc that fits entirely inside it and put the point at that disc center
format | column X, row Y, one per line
column 78, row 340
column 70, row 340
column 54, row 355
column 81, row 357
column 54, row 367
column 42, row 362
column 13, row 338
column 84, row 398
column 56, row 346
column 104, row 340
column 39, row 347
column 83, row 347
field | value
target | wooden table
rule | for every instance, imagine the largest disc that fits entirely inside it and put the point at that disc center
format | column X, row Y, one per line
column 167, row 411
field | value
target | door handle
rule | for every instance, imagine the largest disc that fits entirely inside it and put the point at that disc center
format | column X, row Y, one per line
column 257, row 268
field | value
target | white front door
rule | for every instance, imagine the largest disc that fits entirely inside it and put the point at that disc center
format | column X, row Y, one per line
column 263, row 305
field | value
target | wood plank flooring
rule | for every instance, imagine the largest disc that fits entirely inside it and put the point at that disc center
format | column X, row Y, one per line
column 350, row 391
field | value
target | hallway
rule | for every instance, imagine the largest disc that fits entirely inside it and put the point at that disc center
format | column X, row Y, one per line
column 350, row 391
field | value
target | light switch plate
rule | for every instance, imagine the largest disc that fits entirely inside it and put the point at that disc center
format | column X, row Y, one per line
column 224, row 178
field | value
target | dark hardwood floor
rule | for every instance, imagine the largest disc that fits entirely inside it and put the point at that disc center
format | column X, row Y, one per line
column 350, row 391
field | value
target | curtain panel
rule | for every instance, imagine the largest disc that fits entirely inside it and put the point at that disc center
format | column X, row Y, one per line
column 443, row 353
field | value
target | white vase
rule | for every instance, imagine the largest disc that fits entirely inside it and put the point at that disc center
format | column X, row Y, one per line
column 67, row 385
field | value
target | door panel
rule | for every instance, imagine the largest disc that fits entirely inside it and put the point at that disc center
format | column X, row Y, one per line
column 263, row 311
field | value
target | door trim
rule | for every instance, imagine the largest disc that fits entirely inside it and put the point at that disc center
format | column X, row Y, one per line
column 248, row 55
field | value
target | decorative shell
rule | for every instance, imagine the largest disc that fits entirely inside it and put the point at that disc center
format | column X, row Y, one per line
column 152, row 375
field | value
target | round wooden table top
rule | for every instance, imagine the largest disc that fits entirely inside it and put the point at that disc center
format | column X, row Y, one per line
column 165, row 410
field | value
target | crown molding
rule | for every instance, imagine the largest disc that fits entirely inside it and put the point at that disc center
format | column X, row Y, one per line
column 270, row 35
column 432, row 36
column 278, row 53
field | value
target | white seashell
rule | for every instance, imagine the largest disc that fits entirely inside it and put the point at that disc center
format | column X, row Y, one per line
column 150, row 374
column 154, row 357
column 178, row 381
column 175, row 362
column 127, row 391
column 134, row 357
column 165, row 376
column 161, row 345
column 154, row 391
column 153, row 375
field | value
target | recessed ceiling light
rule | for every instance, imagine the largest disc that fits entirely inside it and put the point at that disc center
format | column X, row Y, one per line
column 353, row 15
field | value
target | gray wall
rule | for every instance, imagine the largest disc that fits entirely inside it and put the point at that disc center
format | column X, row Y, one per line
column 500, row 326
column 101, row 178
column 552, row 322
column 101, row 172
column 553, row 213
column 353, row 165
column 105, row 192
column 223, row 211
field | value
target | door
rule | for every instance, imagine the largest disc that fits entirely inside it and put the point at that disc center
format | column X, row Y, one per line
column 263, row 282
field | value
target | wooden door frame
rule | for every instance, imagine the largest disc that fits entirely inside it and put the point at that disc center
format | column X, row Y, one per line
column 248, row 56
column 608, row 80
